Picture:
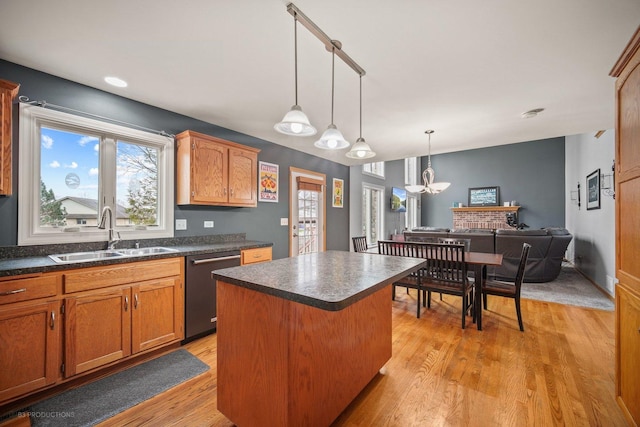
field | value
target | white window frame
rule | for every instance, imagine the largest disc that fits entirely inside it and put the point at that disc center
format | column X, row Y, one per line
column 381, row 209
column 412, row 217
column 411, row 171
column 374, row 169
column 29, row 230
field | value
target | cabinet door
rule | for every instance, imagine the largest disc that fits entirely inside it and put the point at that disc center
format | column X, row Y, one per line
column 243, row 177
column 628, row 322
column 8, row 91
column 157, row 313
column 33, row 363
column 97, row 329
column 209, row 172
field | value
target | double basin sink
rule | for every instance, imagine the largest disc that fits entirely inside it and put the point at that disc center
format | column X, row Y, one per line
column 109, row 254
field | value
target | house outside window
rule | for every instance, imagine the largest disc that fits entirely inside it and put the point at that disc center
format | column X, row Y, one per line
column 71, row 167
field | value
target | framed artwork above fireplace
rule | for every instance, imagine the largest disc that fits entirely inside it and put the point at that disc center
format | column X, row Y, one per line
column 484, row 196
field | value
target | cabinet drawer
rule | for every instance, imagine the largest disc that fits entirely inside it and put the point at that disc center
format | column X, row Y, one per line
column 118, row 274
column 28, row 288
column 250, row 256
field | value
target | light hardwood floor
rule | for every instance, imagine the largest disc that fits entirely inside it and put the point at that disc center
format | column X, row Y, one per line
column 560, row 371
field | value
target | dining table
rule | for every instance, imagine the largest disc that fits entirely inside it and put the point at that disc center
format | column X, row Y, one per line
column 479, row 261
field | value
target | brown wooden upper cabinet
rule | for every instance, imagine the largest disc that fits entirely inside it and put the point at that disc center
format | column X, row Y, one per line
column 213, row 171
column 8, row 91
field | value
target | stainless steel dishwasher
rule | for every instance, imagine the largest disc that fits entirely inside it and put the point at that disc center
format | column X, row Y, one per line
column 200, row 291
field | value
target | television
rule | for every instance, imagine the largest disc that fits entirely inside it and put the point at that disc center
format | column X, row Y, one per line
column 398, row 199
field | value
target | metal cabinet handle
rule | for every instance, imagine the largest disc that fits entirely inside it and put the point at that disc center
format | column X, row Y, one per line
column 224, row 191
column 126, row 303
column 135, row 300
column 15, row 291
column 231, row 191
column 52, row 320
column 208, row 260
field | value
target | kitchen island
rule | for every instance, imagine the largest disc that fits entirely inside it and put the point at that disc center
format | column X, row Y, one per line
column 299, row 338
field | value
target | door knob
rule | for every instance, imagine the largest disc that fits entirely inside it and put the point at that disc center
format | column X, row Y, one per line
column 295, row 235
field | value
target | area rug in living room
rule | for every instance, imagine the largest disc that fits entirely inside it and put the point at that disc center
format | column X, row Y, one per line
column 570, row 288
column 95, row 402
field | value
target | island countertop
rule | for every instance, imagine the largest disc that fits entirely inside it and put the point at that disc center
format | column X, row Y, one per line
column 331, row 280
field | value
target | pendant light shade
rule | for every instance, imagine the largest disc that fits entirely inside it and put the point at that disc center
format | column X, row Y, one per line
column 332, row 138
column 360, row 149
column 295, row 122
column 428, row 176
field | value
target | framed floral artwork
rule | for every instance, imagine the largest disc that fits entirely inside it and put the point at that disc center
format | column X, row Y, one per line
column 268, row 182
column 338, row 193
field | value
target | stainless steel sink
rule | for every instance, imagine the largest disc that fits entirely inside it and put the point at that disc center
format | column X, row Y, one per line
column 108, row 254
column 85, row 256
column 145, row 251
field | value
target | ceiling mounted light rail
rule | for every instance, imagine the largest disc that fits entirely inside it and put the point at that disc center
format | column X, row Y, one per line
column 428, row 176
column 295, row 122
column 325, row 39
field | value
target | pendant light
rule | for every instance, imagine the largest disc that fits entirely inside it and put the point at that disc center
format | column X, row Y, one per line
column 428, row 175
column 295, row 122
column 332, row 138
column 360, row 149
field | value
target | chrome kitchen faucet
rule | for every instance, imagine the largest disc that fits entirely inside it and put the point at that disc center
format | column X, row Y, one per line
column 114, row 236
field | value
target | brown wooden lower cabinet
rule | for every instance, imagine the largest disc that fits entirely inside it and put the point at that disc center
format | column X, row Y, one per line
column 97, row 329
column 29, row 347
column 106, row 315
column 252, row 256
column 628, row 352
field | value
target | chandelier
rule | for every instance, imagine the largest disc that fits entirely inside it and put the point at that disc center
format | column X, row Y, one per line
column 428, row 176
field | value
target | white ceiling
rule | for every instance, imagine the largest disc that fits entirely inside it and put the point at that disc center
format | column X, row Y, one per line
column 465, row 68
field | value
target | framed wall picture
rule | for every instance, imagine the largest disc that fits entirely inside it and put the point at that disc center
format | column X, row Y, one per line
column 268, row 182
column 484, row 196
column 338, row 193
column 593, row 190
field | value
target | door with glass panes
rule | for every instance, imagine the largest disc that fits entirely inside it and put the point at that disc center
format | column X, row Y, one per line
column 307, row 212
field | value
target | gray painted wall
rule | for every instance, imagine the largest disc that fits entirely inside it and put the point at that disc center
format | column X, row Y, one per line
column 593, row 248
column 531, row 173
column 261, row 223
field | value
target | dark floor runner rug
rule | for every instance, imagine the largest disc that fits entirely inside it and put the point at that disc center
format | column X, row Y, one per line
column 93, row 403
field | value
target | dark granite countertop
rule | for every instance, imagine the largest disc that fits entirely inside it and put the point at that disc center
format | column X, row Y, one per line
column 330, row 280
column 42, row 263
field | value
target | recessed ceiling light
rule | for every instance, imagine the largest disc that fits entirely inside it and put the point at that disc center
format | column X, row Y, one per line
column 531, row 113
column 114, row 81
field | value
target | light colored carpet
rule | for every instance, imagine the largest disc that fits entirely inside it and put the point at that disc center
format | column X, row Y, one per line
column 570, row 288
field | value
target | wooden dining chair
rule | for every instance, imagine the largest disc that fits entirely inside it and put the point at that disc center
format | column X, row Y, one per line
column 509, row 289
column 454, row 241
column 412, row 281
column 360, row 243
column 446, row 273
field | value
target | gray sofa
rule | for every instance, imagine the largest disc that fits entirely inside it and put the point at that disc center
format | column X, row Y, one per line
column 548, row 246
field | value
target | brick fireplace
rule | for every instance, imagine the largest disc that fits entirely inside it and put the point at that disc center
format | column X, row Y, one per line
column 489, row 217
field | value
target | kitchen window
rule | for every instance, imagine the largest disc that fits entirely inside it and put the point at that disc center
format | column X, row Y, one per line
column 372, row 213
column 71, row 167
